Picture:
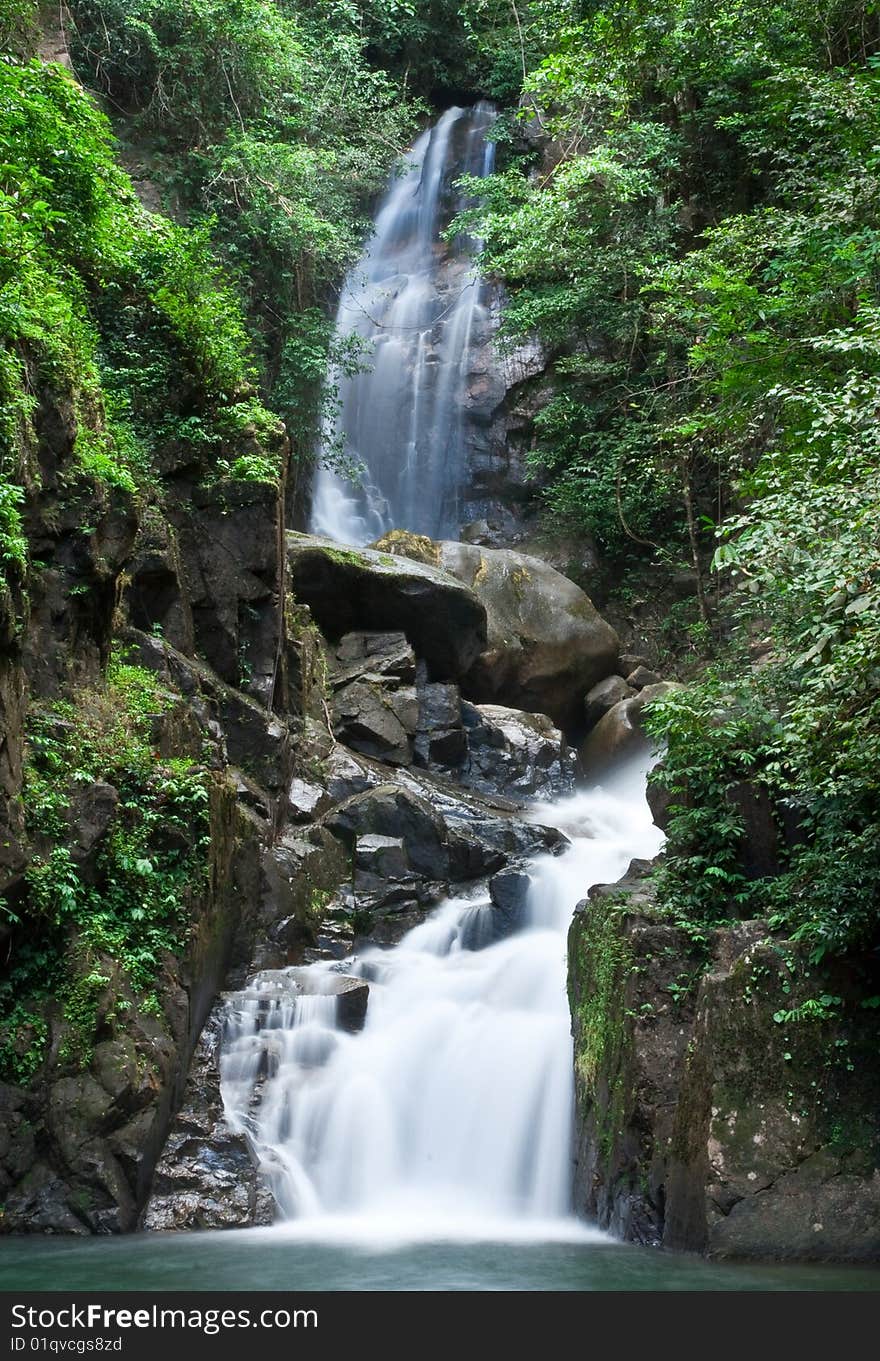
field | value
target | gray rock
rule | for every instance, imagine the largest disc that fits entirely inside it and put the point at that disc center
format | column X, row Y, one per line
column 509, row 891
column 386, row 655
column 619, row 733
column 306, row 800
column 384, row 856
column 440, row 736
column 604, row 696
column 376, row 720
column 206, row 1177
column 546, row 645
column 630, row 661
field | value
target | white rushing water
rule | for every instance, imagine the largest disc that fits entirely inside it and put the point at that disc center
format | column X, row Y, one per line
column 414, row 304
column 450, row 1113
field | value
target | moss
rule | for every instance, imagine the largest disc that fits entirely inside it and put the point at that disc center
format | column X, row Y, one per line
column 345, row 557
column 601, row 964
column 418, row 547
column 520, row 578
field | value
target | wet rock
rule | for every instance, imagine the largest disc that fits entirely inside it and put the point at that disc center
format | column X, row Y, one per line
column 547, row 644
column 389, row 930
column 352, row 998
column 299, row 873
column 383, row 856
column 604, row 696
column 395, row 814
column 520, row 755
column 206, row 1177
column 509, row 892
column 440, row 737
column 40, row 1203
column 346, row 774
column 347, row 588
column 477, row 532
column 493, row 820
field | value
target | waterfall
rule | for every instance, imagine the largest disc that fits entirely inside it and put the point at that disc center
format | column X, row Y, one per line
column 450, row 1112
column 415, row 304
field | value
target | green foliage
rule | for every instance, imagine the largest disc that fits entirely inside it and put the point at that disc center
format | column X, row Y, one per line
column 698, row 251
column 18, row 25
column 75, row 933
column 269, row 124
column 599, row 968
column 122, row 314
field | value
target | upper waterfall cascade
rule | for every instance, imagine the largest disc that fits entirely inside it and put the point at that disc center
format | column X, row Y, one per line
column 415, row 304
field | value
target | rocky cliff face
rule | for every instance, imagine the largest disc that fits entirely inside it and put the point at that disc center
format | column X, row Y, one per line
column 191, row 592
column 710, row 1116
column 505, row 391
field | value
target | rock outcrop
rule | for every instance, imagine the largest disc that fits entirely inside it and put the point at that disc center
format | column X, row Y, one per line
column 709, row 1117
column 520, row 755
column 207, row 1177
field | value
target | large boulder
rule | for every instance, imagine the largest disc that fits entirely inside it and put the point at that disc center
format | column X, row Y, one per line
column 348, row 589
column 705, row 1121
column 603, row 696
column 547, row 644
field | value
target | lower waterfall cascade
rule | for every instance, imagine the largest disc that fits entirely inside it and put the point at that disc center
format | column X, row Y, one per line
column 450, row 1113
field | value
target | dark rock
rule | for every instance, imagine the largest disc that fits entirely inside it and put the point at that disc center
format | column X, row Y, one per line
column 352, row 998
column 386, row 655
column 509, row 891
column 228, row 536
column 91, row 811
column 347, row 589
column 376, row 720
column 440, row 738
column 604, row 696
column 630, row 661
column 698, row 1122
column 477, row 532
column 206, row 1177
column 642, row 676
column 388, row 931
column 492, row 820
column 394, row 813
column 384, row 856
column 685, row 584
column 520, row 755
column 306, row 800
